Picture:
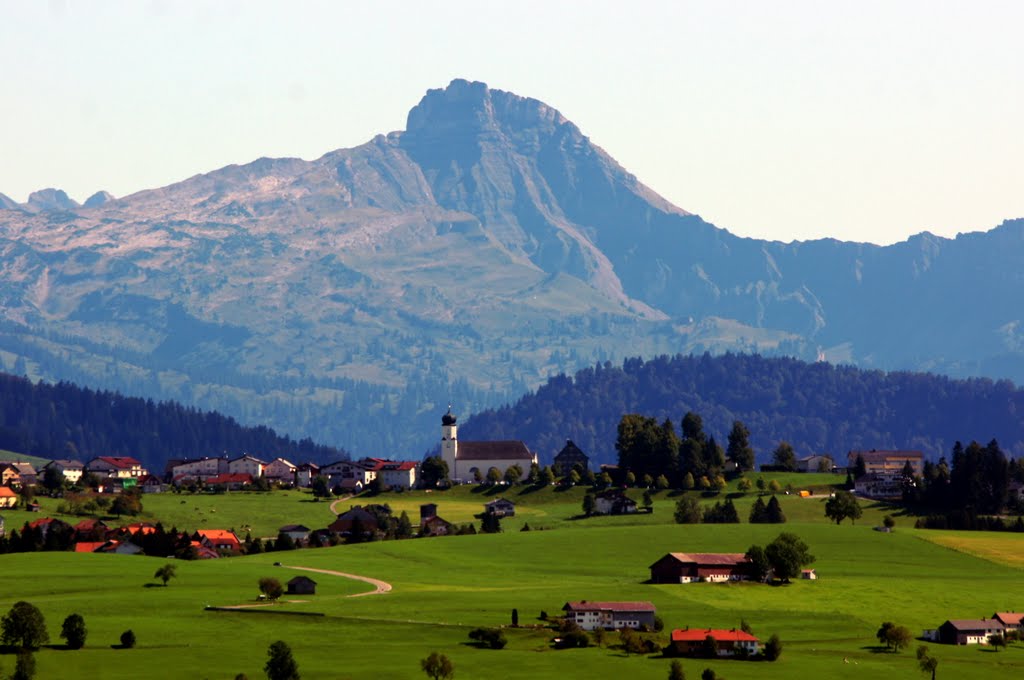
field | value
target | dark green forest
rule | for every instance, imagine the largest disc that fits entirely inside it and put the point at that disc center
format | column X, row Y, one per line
column 67, row 421
column 816, row 407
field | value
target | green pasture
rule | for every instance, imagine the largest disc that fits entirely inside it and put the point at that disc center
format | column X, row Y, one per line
column 444, row 587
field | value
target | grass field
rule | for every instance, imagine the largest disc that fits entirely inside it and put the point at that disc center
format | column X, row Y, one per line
column 444, row 587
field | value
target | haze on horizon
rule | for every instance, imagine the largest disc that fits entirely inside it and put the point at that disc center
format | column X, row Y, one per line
column 865, row 121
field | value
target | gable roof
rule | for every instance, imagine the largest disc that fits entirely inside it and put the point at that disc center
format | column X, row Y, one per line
column 301, row 579
column 7, row 492
column 218, row 535
column 65, row 464
column 570, row 450
column 230, row 478
column 399, row 466
column 584, row 606
column 720, row 635
column 499, row 450
column 120, row 462
column 876, row 456
column 89, row 546
column 708, row 559
column 293, row 527
column 499, row 501
column 974, row 624
column 1009, row 618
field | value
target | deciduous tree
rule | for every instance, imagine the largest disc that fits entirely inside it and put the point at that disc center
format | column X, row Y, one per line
column 438, row 666
column 271, row 587
column 281, row 665
column 73, row 631
column 166, row 573
column 842, row 505
column 24, row 626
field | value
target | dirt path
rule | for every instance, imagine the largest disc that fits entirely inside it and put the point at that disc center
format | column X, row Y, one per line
column 380, row 586
column 334, row 504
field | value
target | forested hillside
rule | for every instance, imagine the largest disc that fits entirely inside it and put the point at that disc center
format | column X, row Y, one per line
column 817, row 407
column 66, row 421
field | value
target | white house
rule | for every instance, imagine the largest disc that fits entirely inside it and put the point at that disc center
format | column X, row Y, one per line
column 610, row 615
column 399, row 474
column 247, row 465
column 280, row 470
column 71, row 469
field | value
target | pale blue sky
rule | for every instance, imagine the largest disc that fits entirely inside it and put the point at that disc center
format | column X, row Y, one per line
column 864, row 120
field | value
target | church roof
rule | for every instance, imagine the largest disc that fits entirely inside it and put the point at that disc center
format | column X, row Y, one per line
column 499, row 450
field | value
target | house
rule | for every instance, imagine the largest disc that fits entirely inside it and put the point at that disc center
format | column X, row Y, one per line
column 71, row 469
column 876, row 485
column 199, row 469
column 708, row 567
column 815, row 463
column 305, row 473
column 809, row 574
column 17, row 473
column 350, row 486
column 8, row 499
column 969, row 631
column 91, row 530
column 364, row 471
column 399, row 474
column 610, row 615
column 232, row 481
column 152, row 484
column 1010, row 620
column 886, row 462
column 296, row 532
column 247, row 465
column 570, row 457
column 500, row 507
column 466, row 458
column 280, row 470
column 689, row 641
column 120, row 467
column 89, row 546
column 221, row 540
column 614, row 502
column 302, row 585
column 9, row 474
column 343, row 525
column 435, row 526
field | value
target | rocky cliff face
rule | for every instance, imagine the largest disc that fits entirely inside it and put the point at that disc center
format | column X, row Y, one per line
column 486, row 246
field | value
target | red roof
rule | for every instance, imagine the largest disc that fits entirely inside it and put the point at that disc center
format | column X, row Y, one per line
column 120, row 461
column 400, row 466
column 1009, row 618
column 88, row 546
column 699, row 635
column 218, row 535
column 231, row 478
column 583, row 605
column 7, row 492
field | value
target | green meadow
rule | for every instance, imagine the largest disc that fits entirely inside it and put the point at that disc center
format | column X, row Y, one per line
column 444, row 587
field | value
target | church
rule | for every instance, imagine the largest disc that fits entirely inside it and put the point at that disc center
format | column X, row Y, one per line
column 464, row 458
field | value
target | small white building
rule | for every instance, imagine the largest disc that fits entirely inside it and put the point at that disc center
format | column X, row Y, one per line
column 280, row 470
column 610, row 615
column 399, row 474
column 247, row 465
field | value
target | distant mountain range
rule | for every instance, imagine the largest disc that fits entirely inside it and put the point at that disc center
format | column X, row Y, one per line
column 489, row 245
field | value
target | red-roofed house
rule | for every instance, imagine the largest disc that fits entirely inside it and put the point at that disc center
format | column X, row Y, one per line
column 610, row 615
column 220, row 540
column 116, row 466
column 1010, row 620
column 709, row 567
column 89, row 546
column 233, row 481
column 399, row 475
column 691, row 641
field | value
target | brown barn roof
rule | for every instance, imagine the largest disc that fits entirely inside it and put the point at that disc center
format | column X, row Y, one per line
column 710, row 559
column 583, row 605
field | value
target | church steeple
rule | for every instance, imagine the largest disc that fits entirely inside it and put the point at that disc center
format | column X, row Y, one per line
column 449, row 440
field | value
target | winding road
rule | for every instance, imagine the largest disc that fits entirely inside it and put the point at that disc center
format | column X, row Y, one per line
column 381, row 587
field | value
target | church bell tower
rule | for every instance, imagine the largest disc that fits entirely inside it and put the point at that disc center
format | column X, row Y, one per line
column 449, row 441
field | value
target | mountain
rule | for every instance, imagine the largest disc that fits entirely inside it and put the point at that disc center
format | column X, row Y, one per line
column 98, row 199
column 816, row 407
column 488, row 246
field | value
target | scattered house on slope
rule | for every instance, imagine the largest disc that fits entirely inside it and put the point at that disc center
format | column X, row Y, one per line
column 91, row 530
column 247, row 465
column 343, row 525
column 875, row 485
column 1010, row 620
column 17, row 473
column 465, row 458
column 435, row 526
column 809, row 574
column 610, row 615
column 570, row 456
column 152, row 484
column 120, row 467
column 428, row 510
column 296, row 532
column 708, row 567
column 399, row 474
column 71, row 469
column 8, row 499
column 969, row 631
column 281, row 471
column 198, row 469
column 89, row 546
column 301, row 585
column 690, row 641
column 815, row 463
column 500, row 507
column 305, row 473
column 219, row 540
column 614, row 502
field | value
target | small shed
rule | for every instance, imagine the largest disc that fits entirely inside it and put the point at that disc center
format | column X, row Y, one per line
column 809, row 574
column 302, row 585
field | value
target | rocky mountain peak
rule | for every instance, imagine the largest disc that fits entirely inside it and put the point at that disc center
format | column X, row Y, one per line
column 47, row 200
column 98, row 199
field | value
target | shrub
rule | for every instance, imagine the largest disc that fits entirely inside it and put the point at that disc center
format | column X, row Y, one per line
column 128, row 639
column 489, row 637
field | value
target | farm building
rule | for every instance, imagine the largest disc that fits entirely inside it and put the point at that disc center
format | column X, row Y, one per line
column 500, row 507
column 571, row 456
column 691, row 567
column 610, row 615
column 688, row 641
column 968, row 631
column 302, row 585
column 614, row 502
column 1010, row 620
column 8, row 499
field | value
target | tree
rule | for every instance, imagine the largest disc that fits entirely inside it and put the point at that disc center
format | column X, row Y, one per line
column 24, row 626
column 708, row 674
column 772, row 649
column 128, row 639
column 744, row 485
column 438, row 666
column 761, row 484
column 515, row 617
column 998, row 640
column 489, row 637
column 271, row 587
column 758, row 512
column 513, row 474
column 925, row 661
column 281, row 664
column 787, row 554
column 547, row 476
column 321, row 487
column 898, row 637
column 24, row 666
column 166, row 573
column 739, row 450
column 53, row 479
column 630, row 479
column 687, row 511
column 773, row 512
column 860, row 468
column 709, row 648
column 675, row 671
column 404, row 527
column 493, row 475
column 842, row 505
column 648, row 499
column 433, row 471
column 774, row 486
column 490, row 523
column 784, row 457
column 589, row 504
column 760, row 567
column 73, row 632
column 888, row 522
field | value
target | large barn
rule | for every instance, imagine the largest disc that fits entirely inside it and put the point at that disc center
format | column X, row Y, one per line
column 692, row 567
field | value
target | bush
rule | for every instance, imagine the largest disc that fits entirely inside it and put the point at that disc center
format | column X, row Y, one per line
column 128, row 639
column 772, row 649
column 73, row 631
column 489, row 637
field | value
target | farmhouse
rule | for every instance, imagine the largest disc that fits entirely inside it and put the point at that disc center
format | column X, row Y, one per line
column 1010, row 620
column 398, row 474
column 614, row 502
column 343, row 525
column 709, row 567
column 500, row 507
column 435, row 526
column 17, row 473
column 875, row 485
column 280, row 470
column 886, row 462
column 9, row 474
column 302, row 585
column 610, row 615
column 220, row 540
column 969, row 631
column 464, row 458
column 71, row 469
column 233, row 481
column 247, row 465
column 815, row 463
column 570, row 457
column 691, row 641
column 297, row 532
column 8, row 499
column 120, row 467
column 305, row 473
